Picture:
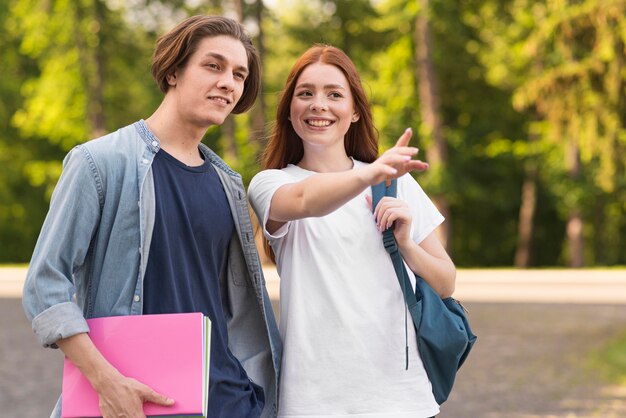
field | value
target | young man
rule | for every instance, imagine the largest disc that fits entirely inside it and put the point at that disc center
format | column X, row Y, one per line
column 149, row 220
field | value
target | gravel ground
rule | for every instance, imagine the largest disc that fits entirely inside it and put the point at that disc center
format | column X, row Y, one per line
column 527, row 363
column 30, row 376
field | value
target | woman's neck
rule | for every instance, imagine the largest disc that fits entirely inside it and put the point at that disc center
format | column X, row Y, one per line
column 326, row 162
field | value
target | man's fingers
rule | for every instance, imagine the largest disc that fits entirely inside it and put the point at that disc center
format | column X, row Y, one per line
column 158, row 399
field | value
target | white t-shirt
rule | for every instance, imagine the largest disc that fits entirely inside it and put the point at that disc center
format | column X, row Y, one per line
column 342, row 311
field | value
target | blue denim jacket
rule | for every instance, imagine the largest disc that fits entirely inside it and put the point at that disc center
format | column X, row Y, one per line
column 92, row 251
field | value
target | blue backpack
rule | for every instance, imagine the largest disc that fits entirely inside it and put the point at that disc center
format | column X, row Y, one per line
column 444, row 337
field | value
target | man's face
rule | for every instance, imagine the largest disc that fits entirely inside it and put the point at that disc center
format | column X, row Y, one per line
column 211, row 83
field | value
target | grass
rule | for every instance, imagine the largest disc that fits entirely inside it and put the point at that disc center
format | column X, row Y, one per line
column 610, row 360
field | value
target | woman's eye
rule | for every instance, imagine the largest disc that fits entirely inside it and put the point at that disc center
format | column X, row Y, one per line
column 240, row 76
column 335, row 95
column 304, row 93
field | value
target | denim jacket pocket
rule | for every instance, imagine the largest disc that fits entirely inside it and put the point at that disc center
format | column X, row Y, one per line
column 237, row 266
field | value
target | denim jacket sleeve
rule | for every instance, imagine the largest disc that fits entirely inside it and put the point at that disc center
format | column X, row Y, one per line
column 49, row 291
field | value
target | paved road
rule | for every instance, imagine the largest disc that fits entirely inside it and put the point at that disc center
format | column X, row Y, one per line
column 528, row 362
column 473, row 285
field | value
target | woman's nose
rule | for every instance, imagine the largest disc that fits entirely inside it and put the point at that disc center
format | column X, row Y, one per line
column 319, row 106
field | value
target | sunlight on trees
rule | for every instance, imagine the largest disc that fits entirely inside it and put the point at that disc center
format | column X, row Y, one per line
column 531, row 99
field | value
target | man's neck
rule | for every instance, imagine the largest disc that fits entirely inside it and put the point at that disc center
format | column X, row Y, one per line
column 176, row 136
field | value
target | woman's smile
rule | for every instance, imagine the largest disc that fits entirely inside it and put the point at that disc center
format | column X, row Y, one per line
column 319, row 123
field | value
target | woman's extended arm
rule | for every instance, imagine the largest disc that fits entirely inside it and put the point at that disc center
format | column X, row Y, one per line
column 321, row 194
column 119, row 396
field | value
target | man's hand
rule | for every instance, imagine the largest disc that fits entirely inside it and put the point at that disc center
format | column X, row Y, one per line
column 121, row 396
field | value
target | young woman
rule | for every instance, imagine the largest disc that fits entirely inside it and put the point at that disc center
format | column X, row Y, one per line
column 341, row 308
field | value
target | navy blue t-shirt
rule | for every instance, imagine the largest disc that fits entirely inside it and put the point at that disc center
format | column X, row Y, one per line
column 192, row 231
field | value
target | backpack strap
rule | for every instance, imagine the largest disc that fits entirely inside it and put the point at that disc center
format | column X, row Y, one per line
column 391, row 246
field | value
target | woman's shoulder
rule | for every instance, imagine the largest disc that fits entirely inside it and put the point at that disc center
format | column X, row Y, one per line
column 269, row 177
column 411, row 181
column 289, row 172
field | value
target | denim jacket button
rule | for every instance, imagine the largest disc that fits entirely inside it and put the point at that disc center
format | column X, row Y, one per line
column 145, row 161
column 136, row 298
column 154, row 143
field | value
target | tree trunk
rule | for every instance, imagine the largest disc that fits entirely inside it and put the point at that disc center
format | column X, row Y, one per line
column 257, row 125
column 575, row 223
column 525, row 228
column 92, row 66
column 238, row 10
column 257, row 122
column 97, row 85
column 231, row 153
column 528, row 206
column 437, row 153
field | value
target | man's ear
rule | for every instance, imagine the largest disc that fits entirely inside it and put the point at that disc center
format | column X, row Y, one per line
column 171, row 78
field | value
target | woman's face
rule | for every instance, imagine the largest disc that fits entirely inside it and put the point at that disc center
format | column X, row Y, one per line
column 322, row 107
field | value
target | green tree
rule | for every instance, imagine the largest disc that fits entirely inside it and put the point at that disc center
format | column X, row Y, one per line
column 475, row 117
column 22, row 207
column 77, row 70
column 564, row 62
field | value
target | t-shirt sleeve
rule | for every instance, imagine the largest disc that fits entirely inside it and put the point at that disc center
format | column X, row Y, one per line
column 260, row 192
column 426, row 216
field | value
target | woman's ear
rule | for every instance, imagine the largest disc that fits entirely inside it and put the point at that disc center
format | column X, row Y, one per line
column 355, row 117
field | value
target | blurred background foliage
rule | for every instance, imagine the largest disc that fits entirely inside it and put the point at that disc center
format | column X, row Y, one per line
column 519, row 106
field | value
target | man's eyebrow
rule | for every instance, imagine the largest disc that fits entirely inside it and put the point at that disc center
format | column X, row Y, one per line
column 222, row 58
column 326, row 86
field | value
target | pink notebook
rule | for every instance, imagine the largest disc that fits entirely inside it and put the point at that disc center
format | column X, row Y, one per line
column 168, row 352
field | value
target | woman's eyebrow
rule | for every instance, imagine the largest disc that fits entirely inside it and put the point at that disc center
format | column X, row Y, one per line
column 326, row 86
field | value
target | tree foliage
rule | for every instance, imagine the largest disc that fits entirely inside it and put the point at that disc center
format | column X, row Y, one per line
column 565, row 62
column 519, row 81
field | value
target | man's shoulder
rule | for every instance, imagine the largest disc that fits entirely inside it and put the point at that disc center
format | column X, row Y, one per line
column 111, row 154
column 122, row 140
